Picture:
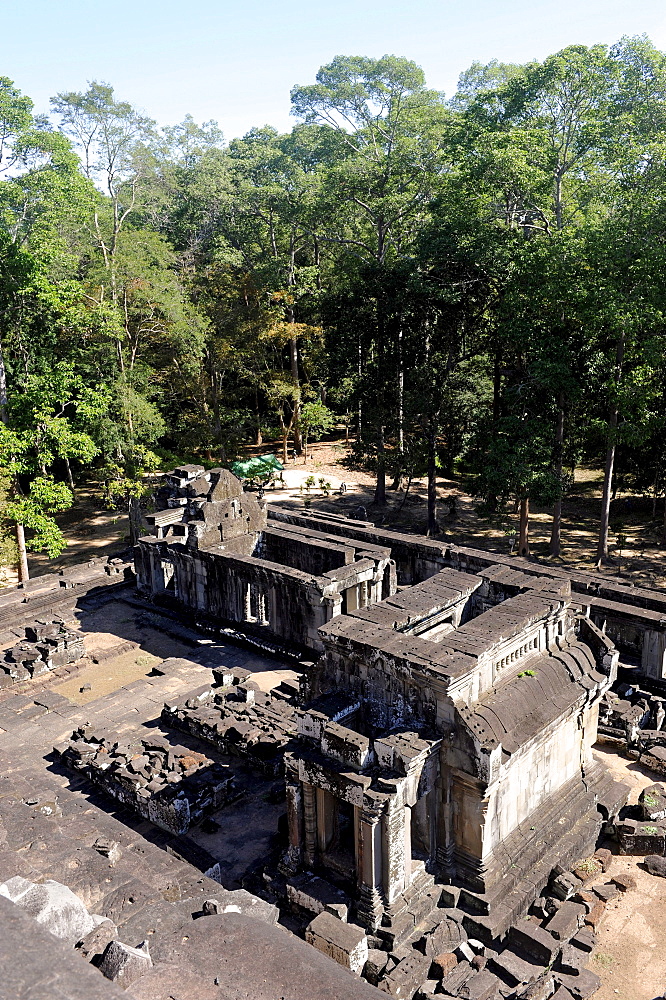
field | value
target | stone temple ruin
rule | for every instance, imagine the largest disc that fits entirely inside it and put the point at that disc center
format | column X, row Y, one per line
column 421, row 759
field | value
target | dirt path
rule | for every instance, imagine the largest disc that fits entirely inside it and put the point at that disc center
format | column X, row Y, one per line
column 630, row 956
column 643, row 559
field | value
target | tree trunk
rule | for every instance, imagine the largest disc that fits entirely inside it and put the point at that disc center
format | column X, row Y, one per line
column 293, row 357
column 215, row 397
column 524, row 530
column 23, row 572
column 397, row 478
column 558, row 198
column 555, row 534
column 663, row 534
column 135, row 520
column 70, row 477
column 380, row 489
column 602, row 547
column 3, row 389
column 359, row 407
column 491, row 499
column 433, row 525
column 259, row 439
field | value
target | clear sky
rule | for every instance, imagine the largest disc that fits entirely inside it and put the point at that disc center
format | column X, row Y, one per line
column 236, row 60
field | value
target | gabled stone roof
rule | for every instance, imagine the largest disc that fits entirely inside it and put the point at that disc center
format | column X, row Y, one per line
column 518, row 708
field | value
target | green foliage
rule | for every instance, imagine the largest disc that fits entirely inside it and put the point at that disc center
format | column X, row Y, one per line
column 34, row 511
column 473, row 284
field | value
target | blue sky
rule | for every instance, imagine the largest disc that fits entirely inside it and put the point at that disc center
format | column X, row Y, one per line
column 236, row 61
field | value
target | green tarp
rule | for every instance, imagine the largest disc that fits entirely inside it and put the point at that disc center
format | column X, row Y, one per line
column 257, row 467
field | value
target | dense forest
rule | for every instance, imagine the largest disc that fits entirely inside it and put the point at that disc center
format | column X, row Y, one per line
column 470, row 283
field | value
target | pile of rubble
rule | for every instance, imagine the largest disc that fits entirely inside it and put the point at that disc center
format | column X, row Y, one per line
column 238, row 718
column 642, row 830
column 543, row 955
column 47, row 644
column 171, row 786
column 633, row 719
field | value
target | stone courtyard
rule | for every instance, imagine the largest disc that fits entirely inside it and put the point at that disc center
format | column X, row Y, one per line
column 364, row 758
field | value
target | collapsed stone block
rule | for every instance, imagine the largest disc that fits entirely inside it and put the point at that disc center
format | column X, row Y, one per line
column 624, row 881
column 606, row 892
column 572, row 960
column 375, row 965
column 595, row 916
column 564, row 924
column 585, row 940
column 580, row 987
column 406, row 977
column 123, row 964
column 481, row 986
column 656, row 865
column 96, row 942
column 443, row 964
column 652, row 801
column 316, row 895
column 535, row 941
column 565, row 885
column 346, row 944
column 513, row 968
column 605, row 857
column 52, row 905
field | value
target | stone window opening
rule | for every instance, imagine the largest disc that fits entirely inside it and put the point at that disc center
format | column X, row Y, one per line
column 167, row 580
column 255, row 605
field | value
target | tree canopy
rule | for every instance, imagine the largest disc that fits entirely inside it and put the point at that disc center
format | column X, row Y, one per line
column 475, row 283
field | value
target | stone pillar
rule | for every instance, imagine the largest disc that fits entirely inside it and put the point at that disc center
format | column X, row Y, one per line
column 291, row 861
column 261, row 610
column 369, row 868
column 309, row 823
column 393, row 849
column 408, row 845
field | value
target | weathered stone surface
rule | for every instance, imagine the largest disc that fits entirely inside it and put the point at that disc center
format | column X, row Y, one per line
column 624, row 881
column 652, row 801
column 606, row 892
column 582, row 986
column 35, row 964
column 52, row 905
column 241, row 901
column 123, row 964
column 443, row 964
column 96, row 942
column 481, row 986
column 595, row 916
column 564, row 924
column 346, row 944
column 256, row 960
column 656, row 865
column 605, row 857
column 162, row 981
column 534, row 940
